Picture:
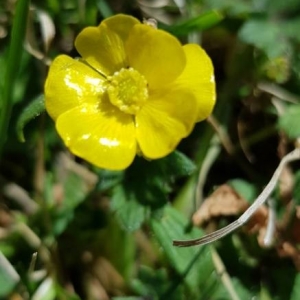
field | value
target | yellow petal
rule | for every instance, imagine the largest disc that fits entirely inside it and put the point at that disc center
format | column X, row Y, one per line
column 156, row 54
column 103, row 46
column 121, row 24
column 103, row 136
column 164, row 121
column 198, row 77
column 71, row 83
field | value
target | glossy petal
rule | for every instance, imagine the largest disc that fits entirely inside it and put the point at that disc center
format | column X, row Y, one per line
column 198, row 77
column 155, row 54
column 164, row 121
column 71, row 83
column 103, row 46
column 121, row 25
column 103, row 136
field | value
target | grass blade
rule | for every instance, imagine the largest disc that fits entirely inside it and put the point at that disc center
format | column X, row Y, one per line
column 14, row 59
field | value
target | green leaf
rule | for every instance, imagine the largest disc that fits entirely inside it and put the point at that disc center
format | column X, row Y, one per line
column 231, row 7
column 162, row 171
column 291, row 28
column 13, row 64
column 296, row 189
column 281, row 7
column 74, row 194
column 151, row 186
column 290, row 121
column 242, row 292
column 108, row 179
column 129, row 212
column 152, row 282
column 173, row 226
column 91, row 12
column 104, row 8
column 295, row 295
column 34, row 109
column 266, row 36
column 194, row 265
column 244, row 189
column 178, row 165
column 45, row 291
column 8, row 277
column 199, row 23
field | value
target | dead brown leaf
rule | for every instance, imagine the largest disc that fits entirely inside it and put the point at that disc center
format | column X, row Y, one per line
column 111, row 280
column 224, row 201
column 287, row 249
column 286, row 183
column 258, row 224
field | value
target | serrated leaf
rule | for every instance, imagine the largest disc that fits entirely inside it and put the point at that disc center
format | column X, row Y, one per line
column 164, row 170
column 198, row 261
column 140, row 190
column 108, row 179
column 150, row 282
column 178, row 165
column 290, row 121
column 151, row 188
column 129, row 212
column 266, row 36
column 173, row 226
column 34, row 109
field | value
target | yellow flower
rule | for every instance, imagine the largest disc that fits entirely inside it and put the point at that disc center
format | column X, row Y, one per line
column 136, row 89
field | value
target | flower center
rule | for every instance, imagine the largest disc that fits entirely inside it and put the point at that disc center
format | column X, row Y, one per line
column 127, row 90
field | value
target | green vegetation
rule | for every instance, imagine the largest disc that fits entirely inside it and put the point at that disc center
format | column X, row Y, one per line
column 69, row 230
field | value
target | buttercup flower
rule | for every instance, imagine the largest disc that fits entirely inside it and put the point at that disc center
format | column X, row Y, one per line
column 136, row 89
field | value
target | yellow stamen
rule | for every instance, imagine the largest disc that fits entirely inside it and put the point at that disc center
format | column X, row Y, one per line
column 127, row 90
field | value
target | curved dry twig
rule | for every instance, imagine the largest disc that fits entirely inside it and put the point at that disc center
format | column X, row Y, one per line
column 261, row 199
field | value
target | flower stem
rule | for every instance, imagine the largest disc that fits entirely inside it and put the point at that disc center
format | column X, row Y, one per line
column 261, row 199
